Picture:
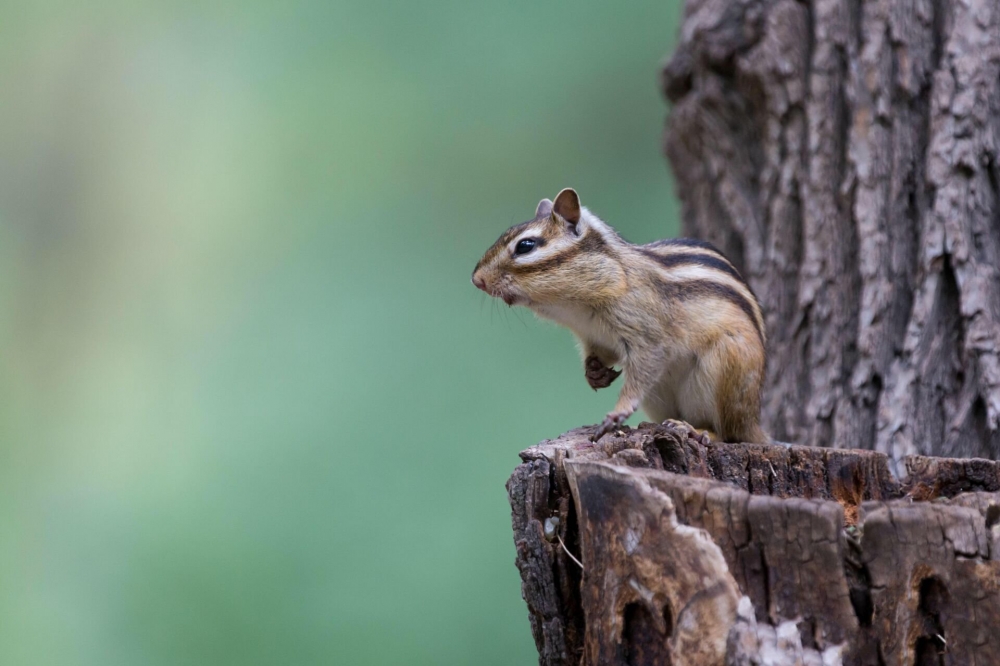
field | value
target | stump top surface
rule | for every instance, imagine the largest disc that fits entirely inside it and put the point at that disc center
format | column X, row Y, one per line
column 847, row 476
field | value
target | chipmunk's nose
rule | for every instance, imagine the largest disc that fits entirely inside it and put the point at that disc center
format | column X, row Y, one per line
column 479, row 282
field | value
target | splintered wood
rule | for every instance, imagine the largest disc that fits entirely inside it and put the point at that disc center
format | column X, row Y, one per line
column 700, row 553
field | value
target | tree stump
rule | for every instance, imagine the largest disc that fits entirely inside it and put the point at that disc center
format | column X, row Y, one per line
column 655, row 546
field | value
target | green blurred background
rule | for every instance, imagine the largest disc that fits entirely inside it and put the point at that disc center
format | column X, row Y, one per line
column 251, row 409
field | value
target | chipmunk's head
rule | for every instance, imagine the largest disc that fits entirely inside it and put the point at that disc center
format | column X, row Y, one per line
column 562, row 255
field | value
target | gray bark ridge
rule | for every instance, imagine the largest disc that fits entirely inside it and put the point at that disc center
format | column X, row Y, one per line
column 845, row 155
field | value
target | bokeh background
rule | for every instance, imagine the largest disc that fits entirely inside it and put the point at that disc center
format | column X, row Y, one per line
column 251, row 409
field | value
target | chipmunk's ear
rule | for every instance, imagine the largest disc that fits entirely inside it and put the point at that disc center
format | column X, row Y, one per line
column 567, row 206
column 544, row 208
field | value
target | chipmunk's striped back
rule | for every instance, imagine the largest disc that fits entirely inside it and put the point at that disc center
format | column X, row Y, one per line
column 690, row 268
column 676, row 315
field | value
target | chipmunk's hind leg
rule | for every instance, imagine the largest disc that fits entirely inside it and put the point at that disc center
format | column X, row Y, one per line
column 739, row 372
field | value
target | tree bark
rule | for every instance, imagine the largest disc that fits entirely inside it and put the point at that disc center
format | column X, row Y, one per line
column 653, row 547
column 844, row 154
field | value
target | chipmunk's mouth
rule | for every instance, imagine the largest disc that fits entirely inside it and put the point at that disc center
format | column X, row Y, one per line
column 509, row 296
column 501, row 291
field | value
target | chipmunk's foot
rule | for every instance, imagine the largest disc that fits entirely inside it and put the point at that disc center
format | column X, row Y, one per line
column 611, row 422
column 599, row 375
column 703, row 436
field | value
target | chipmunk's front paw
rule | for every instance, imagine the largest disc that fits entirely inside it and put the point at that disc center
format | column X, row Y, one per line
column 599, row 375
column 703, row 436
column 611, row 422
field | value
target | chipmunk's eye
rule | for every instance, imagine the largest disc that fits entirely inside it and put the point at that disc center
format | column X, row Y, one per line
column 525, row 245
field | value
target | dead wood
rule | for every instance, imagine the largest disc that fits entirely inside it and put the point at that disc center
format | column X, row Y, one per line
column 699, row 553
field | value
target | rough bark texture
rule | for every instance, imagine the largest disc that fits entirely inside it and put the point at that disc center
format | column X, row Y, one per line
column 845, row 155
column 654, row 547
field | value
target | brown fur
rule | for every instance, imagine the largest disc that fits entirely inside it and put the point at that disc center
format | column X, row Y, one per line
column 676, row 315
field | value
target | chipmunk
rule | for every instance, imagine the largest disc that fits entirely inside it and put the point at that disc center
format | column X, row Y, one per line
column 675, row 315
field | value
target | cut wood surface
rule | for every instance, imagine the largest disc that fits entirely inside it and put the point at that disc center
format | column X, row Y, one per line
column 655, row 546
